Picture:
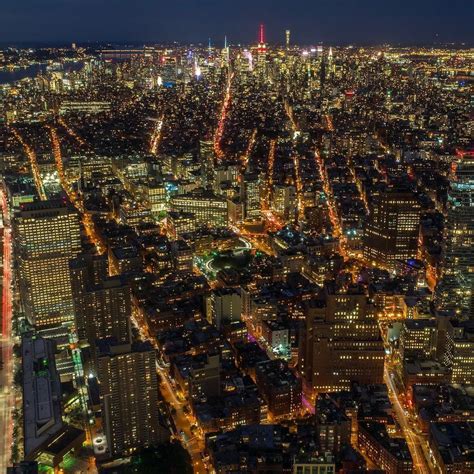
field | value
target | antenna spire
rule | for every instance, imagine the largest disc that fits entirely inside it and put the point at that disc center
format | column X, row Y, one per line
column 262, row 34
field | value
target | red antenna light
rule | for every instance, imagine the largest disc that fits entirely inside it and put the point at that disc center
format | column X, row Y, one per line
column 262, row 34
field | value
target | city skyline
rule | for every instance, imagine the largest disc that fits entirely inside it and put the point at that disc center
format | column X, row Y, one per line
column 188, row 21
column 220, row 257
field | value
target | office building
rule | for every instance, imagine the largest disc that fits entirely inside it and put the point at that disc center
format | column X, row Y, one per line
column 419, row 337
column 205, row 379
column 208, row 209
column 47, row 236
column 391, row 231
column 284, row 201
column 455, row 292
column 179, row 223
column 228, row 175
column 340, row 342
column 459, row 354
column 251, row 190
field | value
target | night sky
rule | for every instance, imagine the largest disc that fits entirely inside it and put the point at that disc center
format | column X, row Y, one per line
column 311, row 21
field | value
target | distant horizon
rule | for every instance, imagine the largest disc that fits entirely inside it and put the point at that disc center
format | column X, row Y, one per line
column 220, row 44
column 193, row 21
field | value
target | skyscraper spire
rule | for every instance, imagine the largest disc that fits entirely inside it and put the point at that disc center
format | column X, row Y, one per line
column 262, row 34
column 225, row 41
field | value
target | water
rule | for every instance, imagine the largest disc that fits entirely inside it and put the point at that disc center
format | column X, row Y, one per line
column 7, row 75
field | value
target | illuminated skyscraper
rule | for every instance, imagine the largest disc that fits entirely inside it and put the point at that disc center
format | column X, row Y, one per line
column 251, row 191
column 455, row 292
column 287, row 38
column 226, row 53
column 129, row 397
column 102, row 305
column 392, row 229
column 47, row 237
column 284, row 200
column 260, row 52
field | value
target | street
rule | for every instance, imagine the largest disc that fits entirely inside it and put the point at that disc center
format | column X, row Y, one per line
column 181, row 422
column 418, row 446
column 7, row 395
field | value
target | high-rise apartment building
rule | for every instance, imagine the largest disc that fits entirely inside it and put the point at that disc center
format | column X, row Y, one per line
column 340, row 342
column 391, row 231
column 129, row 397
column 47, row 236
column 224, row 306
column 102, row 305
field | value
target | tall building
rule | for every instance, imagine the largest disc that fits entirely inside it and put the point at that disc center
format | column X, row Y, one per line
column 47, row 237
column 392, row 229
column 207, row 160
column 456, row 289
column 102, row 305
column 419, row 337
column 340, row 342
column 260, row 52
column 459, row 355
column 224, row 306
column 129, row 397
column 251, row 196
column 227, row 174
column 284, row 201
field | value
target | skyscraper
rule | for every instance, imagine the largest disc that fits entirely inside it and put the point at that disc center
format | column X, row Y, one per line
column 391, row 231
column 251, row 188
column 455, row 291
column 129, row 397
column 102, row 305
column 340, row 342
column 47, row 237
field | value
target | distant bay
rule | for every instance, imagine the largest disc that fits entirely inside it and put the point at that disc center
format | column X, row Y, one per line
column 13, row 75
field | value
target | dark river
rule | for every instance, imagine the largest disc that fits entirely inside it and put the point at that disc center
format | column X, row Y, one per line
column 7, row 75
